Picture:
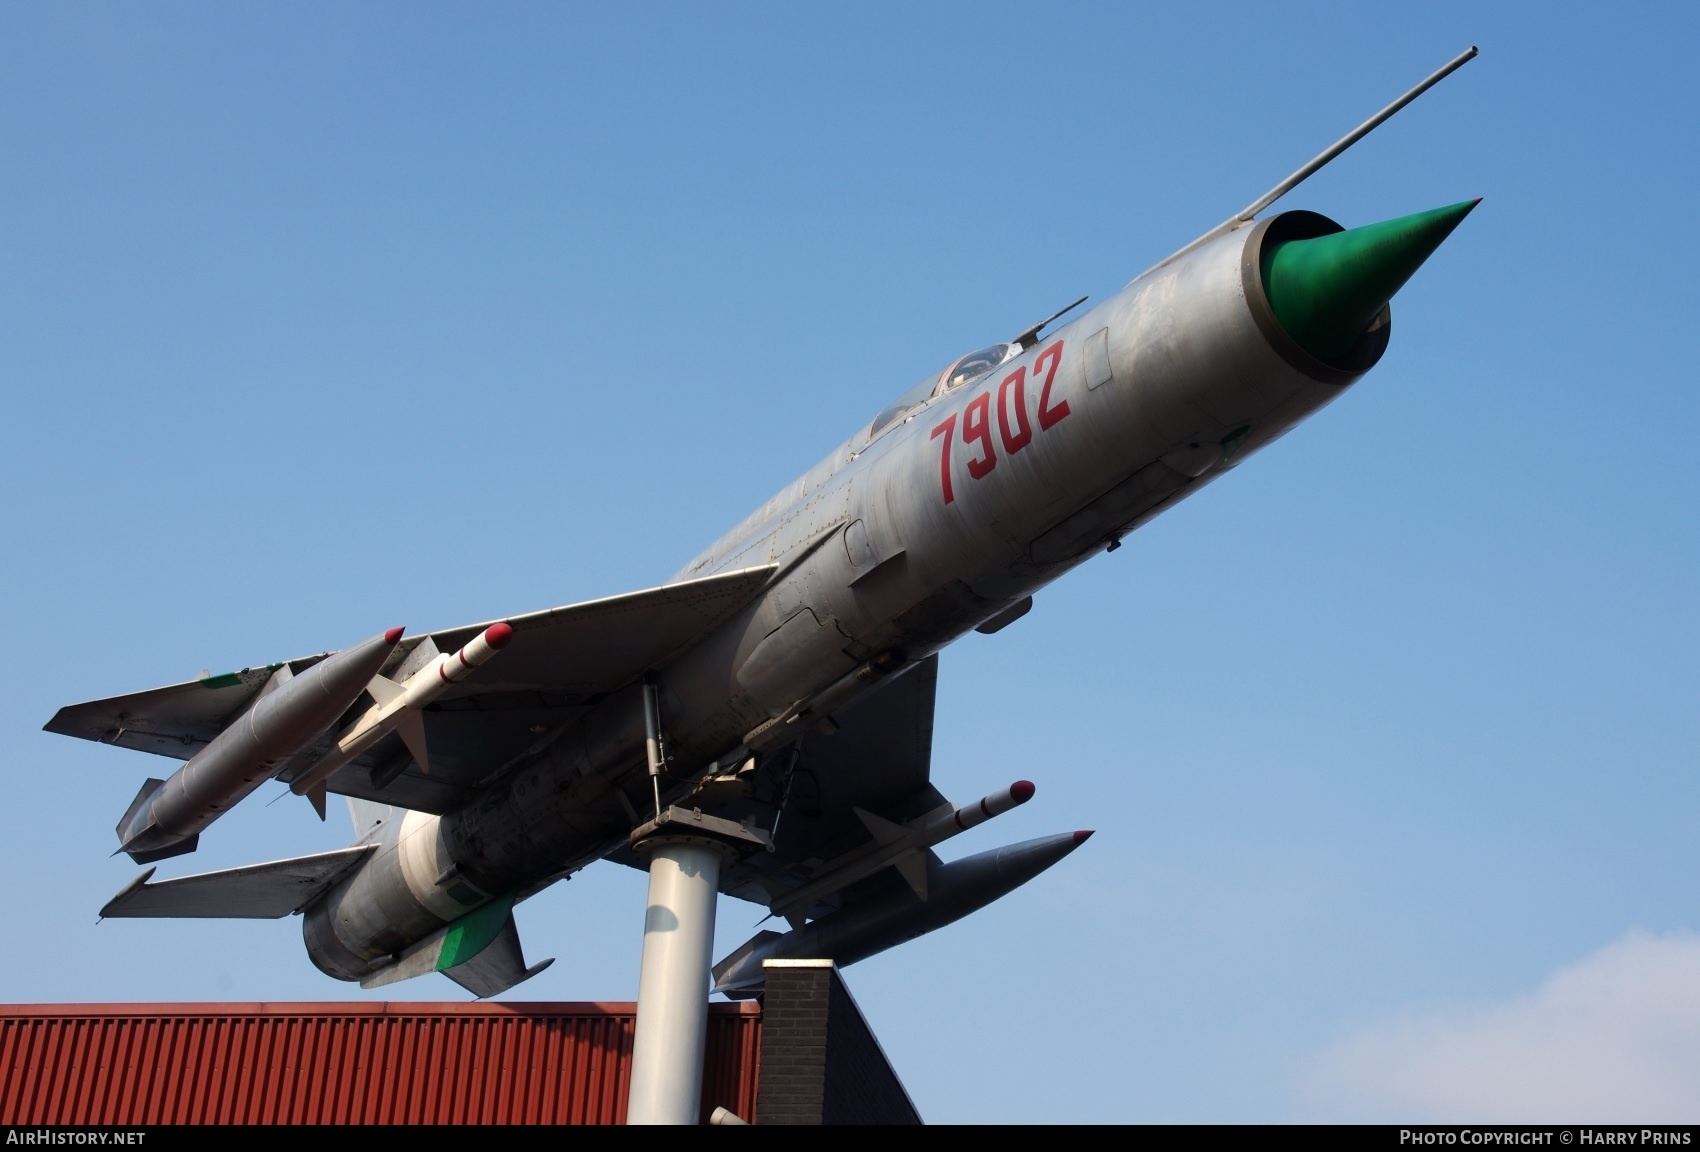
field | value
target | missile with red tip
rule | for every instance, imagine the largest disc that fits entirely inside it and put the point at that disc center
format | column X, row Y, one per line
column 167, row 816
column 398, row 708
column 903, row 846
column 860, row 930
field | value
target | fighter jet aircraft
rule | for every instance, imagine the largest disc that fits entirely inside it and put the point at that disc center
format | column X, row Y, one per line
column 783, row 680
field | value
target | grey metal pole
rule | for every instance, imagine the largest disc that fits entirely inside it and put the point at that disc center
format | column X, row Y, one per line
column 672, row 1010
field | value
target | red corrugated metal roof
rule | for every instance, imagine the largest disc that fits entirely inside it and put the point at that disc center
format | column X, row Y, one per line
column 334, row 1063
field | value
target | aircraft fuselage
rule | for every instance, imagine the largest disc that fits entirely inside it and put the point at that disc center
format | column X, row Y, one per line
column 945, row 514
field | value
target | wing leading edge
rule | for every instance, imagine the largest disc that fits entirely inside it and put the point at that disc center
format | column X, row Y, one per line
column 558, row 658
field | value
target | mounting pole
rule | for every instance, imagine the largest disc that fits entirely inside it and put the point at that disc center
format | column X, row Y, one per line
column 686, row 851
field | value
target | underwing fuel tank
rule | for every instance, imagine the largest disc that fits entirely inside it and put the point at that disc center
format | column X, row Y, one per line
column 855, row 933
column 167, row 816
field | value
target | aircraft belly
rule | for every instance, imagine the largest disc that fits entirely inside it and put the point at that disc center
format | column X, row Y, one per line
column 802, row 654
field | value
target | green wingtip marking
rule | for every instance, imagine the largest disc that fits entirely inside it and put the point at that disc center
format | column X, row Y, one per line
column 472, row 933
column 228, row 680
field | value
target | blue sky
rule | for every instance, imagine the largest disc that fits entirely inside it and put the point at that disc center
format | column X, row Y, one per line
column 317, row 319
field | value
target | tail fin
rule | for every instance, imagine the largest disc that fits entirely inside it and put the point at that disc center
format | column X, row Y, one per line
column 368, row 814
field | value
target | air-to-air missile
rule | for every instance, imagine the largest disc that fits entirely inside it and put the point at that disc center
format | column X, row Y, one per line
column 400, row 708
column 943, row 515
column 900, row 846
column 167, row 816
column 953, row 891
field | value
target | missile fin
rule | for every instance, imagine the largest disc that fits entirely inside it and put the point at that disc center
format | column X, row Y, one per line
column 410, row 725
column 383, row 689
column 912, row 866
column 316, row 797
column 883, row 830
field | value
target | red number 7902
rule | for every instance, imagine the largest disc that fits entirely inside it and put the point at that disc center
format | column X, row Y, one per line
column 1014, row 428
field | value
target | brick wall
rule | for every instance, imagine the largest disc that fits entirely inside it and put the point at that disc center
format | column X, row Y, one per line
column 820, row 1062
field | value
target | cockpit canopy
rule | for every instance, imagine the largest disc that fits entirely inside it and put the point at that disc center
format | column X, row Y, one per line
column 975, row 365
column 965, row 370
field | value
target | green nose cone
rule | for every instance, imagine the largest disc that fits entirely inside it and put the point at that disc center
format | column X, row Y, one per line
column 1325, row 291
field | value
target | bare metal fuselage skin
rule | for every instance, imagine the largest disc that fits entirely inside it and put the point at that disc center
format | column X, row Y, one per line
column 898, row 542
